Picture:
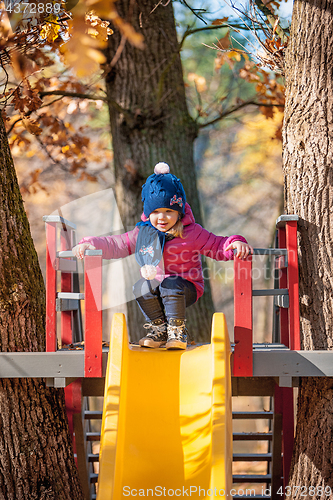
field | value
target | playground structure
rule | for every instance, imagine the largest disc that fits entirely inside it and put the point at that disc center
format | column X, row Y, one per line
column 192, row 445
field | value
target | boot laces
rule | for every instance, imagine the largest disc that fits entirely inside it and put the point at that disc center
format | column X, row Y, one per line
column 156, row 331
column 177, row 332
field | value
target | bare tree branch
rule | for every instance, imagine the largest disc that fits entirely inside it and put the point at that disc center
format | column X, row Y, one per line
column 93, row 97
column 190, row 32
column 235, row 108
column 65, row 93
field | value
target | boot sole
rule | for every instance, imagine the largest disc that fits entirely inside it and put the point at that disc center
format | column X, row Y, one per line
column 150, row 343
column 176, row 344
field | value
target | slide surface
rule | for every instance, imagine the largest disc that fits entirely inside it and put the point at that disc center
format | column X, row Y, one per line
column 167, row 420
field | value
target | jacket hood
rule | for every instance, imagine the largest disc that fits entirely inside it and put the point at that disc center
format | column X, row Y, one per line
column 187, row 219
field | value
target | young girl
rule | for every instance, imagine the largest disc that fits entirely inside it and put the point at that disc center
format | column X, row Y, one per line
column 167, row 245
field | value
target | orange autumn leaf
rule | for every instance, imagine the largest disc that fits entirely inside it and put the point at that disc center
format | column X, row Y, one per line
column 217, row 22
column 32, row 126
column 224, row 43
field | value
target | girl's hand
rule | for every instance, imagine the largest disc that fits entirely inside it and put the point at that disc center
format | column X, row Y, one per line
column 243, row 249
column 79, row 250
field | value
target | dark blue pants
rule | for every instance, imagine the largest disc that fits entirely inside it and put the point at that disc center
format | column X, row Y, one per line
column 166, row 300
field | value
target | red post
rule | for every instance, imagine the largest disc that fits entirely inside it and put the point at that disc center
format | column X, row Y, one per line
column 283, row 283
column 66, row 286
column 284, row 404
column 51, row 287
column 73, row 401
column 294, row 327
column 243, row 352
column 93, row 316
column 290, row 337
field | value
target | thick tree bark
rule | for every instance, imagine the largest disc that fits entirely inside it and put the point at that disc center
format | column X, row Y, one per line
column 155, row 126
column 36, row 455
column 308, row 149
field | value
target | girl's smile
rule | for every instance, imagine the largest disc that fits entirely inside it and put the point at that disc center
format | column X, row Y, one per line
column 163, row 218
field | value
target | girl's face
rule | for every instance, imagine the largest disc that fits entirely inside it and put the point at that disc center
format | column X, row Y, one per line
column 164, row 218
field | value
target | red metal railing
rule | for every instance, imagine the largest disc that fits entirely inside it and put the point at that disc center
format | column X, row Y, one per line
column 93, row 315
column 243, row 292
column 289, row 325
column 290, row 337
column 63, row 262
column 67, row 302
column 51, row 287
column 243, row 328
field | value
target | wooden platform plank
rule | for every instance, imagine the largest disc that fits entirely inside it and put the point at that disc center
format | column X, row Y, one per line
column 268, row 363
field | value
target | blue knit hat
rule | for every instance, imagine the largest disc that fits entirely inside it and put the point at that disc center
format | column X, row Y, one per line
column 163, row 190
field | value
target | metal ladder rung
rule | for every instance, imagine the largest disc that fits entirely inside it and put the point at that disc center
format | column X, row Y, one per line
column 70, row 295
column 93, row 478
column 252, row 414
column 252, row 436
column 93, row 415
column 252, row 457
column 270, row 291
column 93, row 436
column 252, row 478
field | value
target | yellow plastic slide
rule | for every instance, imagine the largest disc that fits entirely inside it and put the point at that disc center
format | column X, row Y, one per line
column 166, row 428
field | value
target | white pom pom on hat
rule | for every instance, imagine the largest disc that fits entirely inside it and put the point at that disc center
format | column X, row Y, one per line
column 161, row 168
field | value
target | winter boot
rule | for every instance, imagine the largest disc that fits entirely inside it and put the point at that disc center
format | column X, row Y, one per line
column 157, row 334
column 177, row 334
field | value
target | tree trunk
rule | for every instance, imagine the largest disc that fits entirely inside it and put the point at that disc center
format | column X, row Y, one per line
column 308, row 149
column 154, row 126
column 36, row 455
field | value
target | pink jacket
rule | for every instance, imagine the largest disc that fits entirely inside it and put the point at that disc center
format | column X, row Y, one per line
column 181, row 256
